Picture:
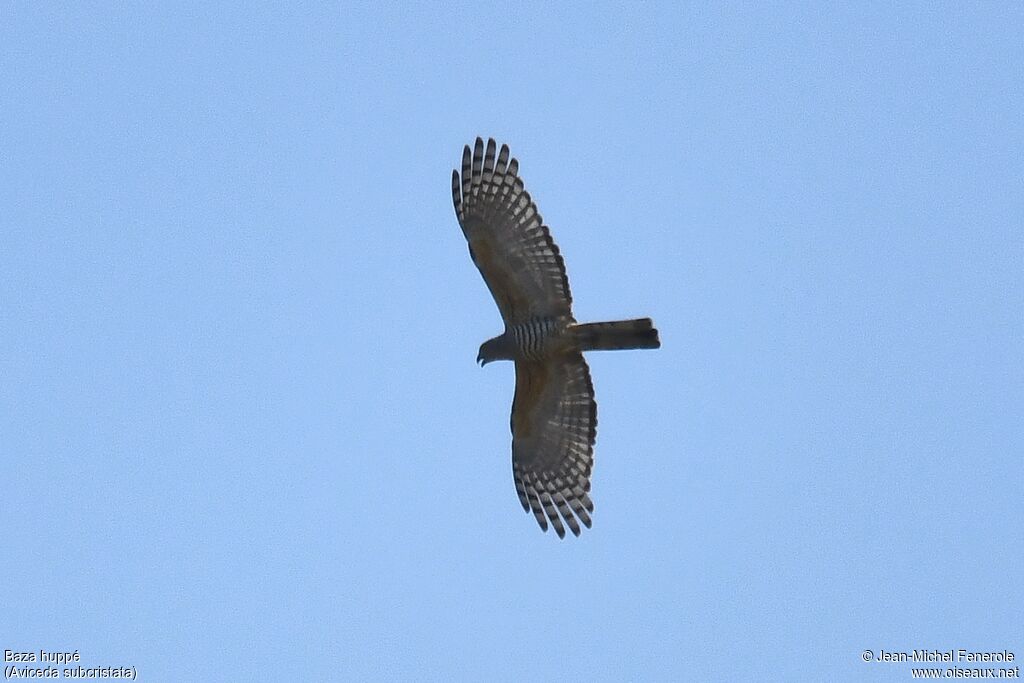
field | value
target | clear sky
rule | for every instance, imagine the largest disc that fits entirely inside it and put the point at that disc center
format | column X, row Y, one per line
column 242, row 433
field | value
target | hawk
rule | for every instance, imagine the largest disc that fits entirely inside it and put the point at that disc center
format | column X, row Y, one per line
column 554, row 416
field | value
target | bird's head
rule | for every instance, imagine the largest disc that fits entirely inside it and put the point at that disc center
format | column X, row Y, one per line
column 482, row 358
column 494, row 349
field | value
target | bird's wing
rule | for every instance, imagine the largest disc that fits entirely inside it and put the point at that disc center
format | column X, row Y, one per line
column 508, row 240
column 554, row 422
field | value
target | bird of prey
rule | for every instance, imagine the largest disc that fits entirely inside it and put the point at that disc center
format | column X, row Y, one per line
column 554, row 416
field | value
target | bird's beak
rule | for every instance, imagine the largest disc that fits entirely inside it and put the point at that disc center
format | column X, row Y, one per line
column 480, row 361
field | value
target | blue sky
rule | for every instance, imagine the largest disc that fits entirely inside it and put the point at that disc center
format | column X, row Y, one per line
column 242, row 432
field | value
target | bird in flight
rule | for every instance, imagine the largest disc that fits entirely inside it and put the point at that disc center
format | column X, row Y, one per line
column 554, row 416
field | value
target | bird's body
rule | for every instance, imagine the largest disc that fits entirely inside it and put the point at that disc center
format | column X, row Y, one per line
column 539, row 338
column 532, row 339
column 554, row 416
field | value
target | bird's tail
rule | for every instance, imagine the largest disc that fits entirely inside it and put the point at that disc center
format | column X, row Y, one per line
column 620, row 334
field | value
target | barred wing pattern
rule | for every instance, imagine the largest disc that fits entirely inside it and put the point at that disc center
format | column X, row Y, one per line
column 554, row 423
column 554, row 416
column 508, row 240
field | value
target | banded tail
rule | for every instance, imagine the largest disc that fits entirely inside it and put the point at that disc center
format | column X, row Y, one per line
column 620, row 334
